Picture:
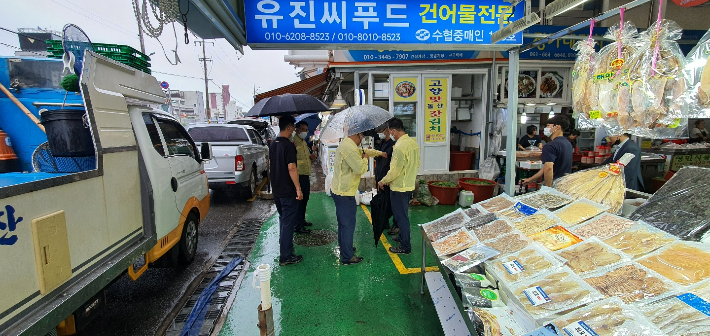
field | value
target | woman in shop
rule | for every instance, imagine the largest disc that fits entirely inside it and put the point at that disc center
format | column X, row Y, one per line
column 572, row 137
column 699, row 133
column 530, row 140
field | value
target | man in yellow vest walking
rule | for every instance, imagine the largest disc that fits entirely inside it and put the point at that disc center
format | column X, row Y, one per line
column 401, row 179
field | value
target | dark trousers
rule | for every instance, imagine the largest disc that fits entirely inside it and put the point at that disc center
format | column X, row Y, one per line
column 288, row 210
column 345, row 210
column 400, row 210
column 305, row 182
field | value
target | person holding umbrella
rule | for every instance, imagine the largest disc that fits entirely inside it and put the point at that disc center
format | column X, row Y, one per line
column 286, row 188
column 401, row 179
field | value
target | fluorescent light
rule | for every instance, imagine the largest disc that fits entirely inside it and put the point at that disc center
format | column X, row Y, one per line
column 530, row 104
column 524, row 118
column 550, row 103
column 515, row 27
column 558, row 7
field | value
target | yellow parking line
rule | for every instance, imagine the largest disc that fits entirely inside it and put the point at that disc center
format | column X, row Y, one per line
column 395, row 258
column 257, row 192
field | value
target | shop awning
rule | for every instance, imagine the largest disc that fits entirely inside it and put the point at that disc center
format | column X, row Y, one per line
column 314, row 86
column 211, row 19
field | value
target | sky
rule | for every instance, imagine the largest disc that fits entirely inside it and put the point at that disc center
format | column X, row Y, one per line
column 113, row 21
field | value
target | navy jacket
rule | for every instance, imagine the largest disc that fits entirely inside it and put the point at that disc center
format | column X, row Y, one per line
column 632, row 172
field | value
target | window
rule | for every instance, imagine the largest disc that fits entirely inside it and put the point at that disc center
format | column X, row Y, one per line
column 218, row 134
column 256, row 138
column 176, row 139
column 153, row 133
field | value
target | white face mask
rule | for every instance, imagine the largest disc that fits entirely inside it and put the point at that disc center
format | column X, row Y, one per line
column 303, row 135
column 381, row 135
column 547, row 131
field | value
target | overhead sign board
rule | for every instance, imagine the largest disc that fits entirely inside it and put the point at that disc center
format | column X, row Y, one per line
column 377, row 24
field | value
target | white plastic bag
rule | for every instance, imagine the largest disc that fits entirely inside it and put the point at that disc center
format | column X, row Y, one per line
column 328, row 182
column 489, row 169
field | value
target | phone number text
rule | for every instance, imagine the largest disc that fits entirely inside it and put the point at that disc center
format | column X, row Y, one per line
column 319, row 37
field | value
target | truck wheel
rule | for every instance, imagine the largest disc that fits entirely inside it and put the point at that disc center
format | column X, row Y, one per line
column 188, row 240
column 250, row 189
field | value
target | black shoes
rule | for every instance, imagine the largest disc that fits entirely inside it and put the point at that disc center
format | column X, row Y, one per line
column 293, row 259
column 399, row 250
column 397, row 238
column 302, row 230
column 352, row 261
column 307, row 224
column 393, row 231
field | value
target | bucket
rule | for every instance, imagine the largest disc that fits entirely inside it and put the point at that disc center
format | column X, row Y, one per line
column 482, row 191
column 461, row 160
column 66, row 133
column 465, row 198
column 445, row 195
column 8, row 159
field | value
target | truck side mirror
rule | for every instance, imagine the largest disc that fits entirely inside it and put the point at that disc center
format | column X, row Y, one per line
column 206, row 151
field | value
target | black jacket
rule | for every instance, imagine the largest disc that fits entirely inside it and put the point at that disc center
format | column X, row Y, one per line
column 382, row 165
column 632, row 172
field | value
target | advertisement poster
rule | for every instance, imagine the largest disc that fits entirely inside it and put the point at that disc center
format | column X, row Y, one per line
column 435, row 107
column 405, row 89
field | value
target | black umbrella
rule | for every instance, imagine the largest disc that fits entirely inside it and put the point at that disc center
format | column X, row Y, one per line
column 381, row 213
column 287, row 104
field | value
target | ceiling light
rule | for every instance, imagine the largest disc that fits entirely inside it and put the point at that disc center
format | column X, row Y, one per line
column 550, row 103
column 524, row 118
column 516, row 27
column 338, row 102
column 530, row 104
column 558, row 7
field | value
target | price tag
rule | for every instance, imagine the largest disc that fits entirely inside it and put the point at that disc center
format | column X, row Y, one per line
column 536, row 296
column 595, row 114
column 579, row 328
column 513, row 267
column 525, row 209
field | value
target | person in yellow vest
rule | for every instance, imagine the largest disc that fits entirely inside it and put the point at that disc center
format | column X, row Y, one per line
column 350, row 163
column 303, row 163
column 401, row 179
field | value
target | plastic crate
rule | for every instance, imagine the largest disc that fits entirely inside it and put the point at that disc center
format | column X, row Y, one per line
column 121, row 49
column 127, row 59
column 55, row 44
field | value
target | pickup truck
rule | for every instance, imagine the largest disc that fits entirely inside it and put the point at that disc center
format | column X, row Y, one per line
column 71, row 232
column 260, row 125
column 240, row 156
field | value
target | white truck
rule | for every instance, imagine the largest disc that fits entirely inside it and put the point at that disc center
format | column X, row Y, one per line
column 75, row 233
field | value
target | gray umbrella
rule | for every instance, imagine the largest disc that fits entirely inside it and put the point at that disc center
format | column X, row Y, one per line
column 287, row 104
column 354, row 120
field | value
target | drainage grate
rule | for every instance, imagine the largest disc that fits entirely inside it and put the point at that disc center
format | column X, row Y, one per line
column 241, row 244
column 315, row 238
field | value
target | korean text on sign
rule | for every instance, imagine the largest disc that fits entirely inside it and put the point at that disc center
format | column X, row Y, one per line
column 377, row 21
column 435, row 108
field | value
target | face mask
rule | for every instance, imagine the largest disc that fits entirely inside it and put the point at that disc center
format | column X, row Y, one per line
column 617, row 142
column 303, row 135
column 547, row 131
column 381, row 135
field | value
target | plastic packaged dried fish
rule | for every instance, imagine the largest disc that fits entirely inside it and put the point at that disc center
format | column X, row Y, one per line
column 604, row 226
column 555, row 238
column 540, row 221
column 531, row 261
column 546, row 198
column 473, row 211
column 471, row 280
column 631, row 282
column 683, row 262
column 512, row 242
column 470, row 257
column 551, row 293
column 639, row 240
column 479, row 220
column 481, row 298
column 681, row 206
column 498, row 203
column 455, row 242
column 590, row 255
column 447, row 223
column 579, row 211
column 680, row 315
column 609, row 317
column 493, row 230
column 517, row 211
column 698, row 95
column 582, row 78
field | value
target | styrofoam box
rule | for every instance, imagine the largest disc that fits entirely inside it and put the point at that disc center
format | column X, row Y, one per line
column 531, row 164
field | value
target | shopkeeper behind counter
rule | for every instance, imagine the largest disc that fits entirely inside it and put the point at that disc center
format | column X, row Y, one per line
column 632, row 171
column 556, row 154
column 531, row 139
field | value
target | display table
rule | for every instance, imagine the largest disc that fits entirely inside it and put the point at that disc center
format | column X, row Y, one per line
column 677, row 158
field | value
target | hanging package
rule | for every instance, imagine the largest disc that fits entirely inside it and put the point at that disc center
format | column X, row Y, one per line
column 581, row 80
column 698, row 94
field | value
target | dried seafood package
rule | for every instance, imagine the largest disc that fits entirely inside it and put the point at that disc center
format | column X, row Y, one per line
column 605, row 226
column 609, row 317
column 681, row 206
column 551, row 293
column 540, row 221
column 609, row 71
column 682, row 315
column 460, row 240
column 631, row 282
column 590, row 255
column 582, row 78
column 496, row 321
column 546, row 198
column 474, row 297
column 470, row 257
column 473, row 211
column 579, row 211
column 512, row 242
column 556, row 238
column 684, row 263
column 698, row 95
column 531, row 261
column 605, row 184
column 656, row 79
column 639, row 240
column 497, row 203
column 493, row 230
column 445, row 225
column 482, row 219
column 471, row 280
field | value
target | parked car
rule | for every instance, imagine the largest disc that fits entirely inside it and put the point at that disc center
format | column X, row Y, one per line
column 260, row 125
column 239, row 156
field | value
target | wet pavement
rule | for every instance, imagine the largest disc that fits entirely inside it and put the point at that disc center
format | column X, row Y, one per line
column 144, row 307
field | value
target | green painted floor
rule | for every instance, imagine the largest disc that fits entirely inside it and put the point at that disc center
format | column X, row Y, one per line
column 321, row 297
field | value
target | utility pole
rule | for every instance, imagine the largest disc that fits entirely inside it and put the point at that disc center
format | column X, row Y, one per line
column 140, row 27
column 204, row 60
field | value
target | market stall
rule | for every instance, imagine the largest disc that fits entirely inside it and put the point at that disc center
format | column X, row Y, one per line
column 555, row 259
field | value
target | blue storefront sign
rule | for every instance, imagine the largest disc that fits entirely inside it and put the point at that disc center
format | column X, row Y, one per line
column 377, row 23
column 408, row 55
